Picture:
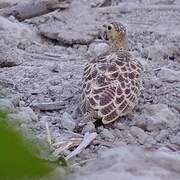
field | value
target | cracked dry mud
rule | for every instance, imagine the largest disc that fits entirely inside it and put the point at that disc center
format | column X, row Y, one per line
column 36, row 70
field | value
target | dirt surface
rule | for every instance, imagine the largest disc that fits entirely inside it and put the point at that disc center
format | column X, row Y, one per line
column 42, row 60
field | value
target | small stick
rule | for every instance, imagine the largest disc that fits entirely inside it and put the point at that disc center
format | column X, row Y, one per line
column 60, row 150
column 88, row 138
column 48, row 133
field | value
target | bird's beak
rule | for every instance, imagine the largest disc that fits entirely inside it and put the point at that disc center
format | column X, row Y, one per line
column 104, row 25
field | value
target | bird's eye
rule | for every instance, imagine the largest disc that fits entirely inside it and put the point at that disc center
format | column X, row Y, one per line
column 109, row 28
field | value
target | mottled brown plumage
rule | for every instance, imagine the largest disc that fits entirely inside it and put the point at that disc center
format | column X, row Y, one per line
column 111, row 82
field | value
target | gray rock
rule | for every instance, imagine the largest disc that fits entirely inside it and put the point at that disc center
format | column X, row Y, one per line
column 120, row 126
column 20, row 117
column 96, row 49
column 128, row 137
column 10, row 57
column 154, row 52
column 150, row 142
column 175, row 140
column 15, row 99
column 65, row 30
column 67, row 94
column 162, row 136
column 131, row 163
column 68, row 122
column 106, row 134
column 118, row 133
column 139, row 134
column 169, row 75
column 177, row 107
column 55, row 81
column 55, row 68
column 6, row 105
column 21, row 103
column 29, row 112
column 154, row 81
column 55, row 90
column 89, row 127
column 159, row 116
column 159, row 51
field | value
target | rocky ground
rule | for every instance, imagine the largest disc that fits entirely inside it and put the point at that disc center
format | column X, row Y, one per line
column 41, row 66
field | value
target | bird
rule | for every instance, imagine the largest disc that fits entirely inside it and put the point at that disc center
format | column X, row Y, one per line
column 111, row 82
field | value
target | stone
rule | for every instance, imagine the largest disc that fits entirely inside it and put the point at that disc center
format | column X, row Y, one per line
column 55, row 68
column 55, row 90
column 159, row 116
column 96, row 49
column 154, row 81
column 65, row 30
column 128, row 137
column 30, row 112
column 162, row 136
column 55, row 81
column 169, row 75
column 161, row 51
column 22, row 103
column 150, row 142
column 175, row 139
column 20, row 117
column 153, row 52
column 6, row 105
column 106, row 134
column 131, row 163
column 139, row 134
column 120, row 126
column 10, row 57
column 118, row 133
column 89, row 127
column 68, row 122
column 177, row 107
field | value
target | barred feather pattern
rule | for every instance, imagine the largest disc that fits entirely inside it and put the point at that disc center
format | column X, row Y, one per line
column 111, row 85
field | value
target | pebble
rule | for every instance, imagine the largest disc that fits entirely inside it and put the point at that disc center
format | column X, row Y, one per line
column 96, row 49
column 139, row 134
column 177, row 107
column 22, row 103
column 153, row 52
column 106, row 134
column 55, row 90
column 120, row 126
column 118, row 133
column 169, row 75
column 175, row 140
column 129, row 139
column 68, row 122
column 162, row 136
column 7, row 106
column 55, row 68
column 55, row 81
column 150, row 141
column 89, row 127
column 155, row 82
column 30, row 112
column 20, row 117
column 159, row 116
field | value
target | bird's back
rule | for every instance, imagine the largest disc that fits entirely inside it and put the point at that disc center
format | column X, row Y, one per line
column 111, row 85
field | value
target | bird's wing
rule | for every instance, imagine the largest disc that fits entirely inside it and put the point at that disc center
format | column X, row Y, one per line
column 110, row 85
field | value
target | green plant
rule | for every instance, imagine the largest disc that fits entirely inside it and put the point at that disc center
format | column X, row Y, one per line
column 18, row 158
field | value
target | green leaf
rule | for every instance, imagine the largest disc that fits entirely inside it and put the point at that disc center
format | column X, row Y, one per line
column 17, row 156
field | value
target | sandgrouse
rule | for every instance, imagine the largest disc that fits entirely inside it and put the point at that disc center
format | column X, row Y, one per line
column 111, row 81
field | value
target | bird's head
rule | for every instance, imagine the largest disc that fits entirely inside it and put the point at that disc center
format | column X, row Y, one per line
column 117, row 35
